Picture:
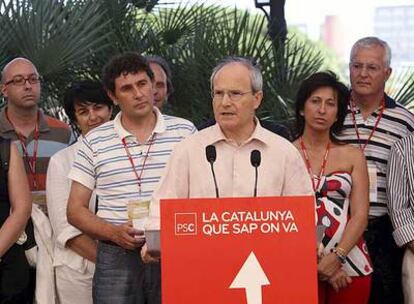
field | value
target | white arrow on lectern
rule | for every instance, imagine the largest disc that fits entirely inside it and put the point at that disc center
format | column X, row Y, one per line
column 251, row 277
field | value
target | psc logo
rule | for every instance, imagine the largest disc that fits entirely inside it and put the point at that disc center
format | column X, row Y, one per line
column 185, row 224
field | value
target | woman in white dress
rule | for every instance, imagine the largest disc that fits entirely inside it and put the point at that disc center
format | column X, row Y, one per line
column 87, row 107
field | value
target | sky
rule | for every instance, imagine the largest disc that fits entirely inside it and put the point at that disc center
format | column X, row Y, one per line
column 356, row 16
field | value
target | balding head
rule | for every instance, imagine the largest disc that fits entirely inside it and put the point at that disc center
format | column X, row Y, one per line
column 12, row 63
column 24, row 94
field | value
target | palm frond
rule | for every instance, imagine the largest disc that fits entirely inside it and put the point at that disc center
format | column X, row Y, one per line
column 401, row 87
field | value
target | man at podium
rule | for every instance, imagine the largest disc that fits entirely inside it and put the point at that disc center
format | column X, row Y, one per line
column 236, row 157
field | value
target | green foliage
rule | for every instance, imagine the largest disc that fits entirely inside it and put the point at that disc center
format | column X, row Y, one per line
column 56, row 36
column 69, row 40
column 401, row 87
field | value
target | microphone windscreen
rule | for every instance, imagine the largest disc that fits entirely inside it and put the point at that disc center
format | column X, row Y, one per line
column 211, row 153
column 255, row 158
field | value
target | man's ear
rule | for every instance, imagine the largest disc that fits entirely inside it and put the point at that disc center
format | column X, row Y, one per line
column 388, row 73
column 3, row 90
column 112, row 96
column 258, row 96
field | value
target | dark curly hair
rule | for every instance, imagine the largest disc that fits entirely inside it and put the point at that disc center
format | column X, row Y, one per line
column 126, row 63
column 308, row 86
column 82, row 92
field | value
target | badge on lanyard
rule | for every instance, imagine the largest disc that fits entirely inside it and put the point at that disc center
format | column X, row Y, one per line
column 138, row 211
column 372, row 174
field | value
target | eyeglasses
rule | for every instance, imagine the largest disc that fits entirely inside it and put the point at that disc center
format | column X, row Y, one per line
column 21, row 81
column 370, row 67
column 233, row 95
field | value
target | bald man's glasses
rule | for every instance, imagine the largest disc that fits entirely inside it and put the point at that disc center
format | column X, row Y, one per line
column 20, row 81
column 233, row 95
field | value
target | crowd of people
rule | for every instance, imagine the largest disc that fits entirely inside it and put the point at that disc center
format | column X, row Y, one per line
column 74, row 210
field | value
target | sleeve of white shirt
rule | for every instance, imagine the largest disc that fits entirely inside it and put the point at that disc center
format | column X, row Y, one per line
column 174, row 184
column 83, row 169
column 57, row 194
column 297, row 180
column 399, row 190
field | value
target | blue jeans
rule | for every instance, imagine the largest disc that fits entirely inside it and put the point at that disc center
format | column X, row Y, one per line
column 122, row 278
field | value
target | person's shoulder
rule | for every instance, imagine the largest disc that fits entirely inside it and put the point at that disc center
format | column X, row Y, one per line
column 277, row 141
column 177, row 122
column 106, row 128
column 405, row 142
column 56, row 123
column 400, row 107
column 349, row 149
column 348, row 153
column 62, row 155
column 59, row 130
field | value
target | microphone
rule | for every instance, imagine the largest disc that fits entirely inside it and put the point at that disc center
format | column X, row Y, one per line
column 255, row 159
column 211, row 156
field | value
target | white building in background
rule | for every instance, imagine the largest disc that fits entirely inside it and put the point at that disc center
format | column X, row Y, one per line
column 395, row 24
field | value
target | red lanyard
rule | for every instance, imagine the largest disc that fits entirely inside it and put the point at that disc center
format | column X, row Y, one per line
column 30, row 160
column 308, row 164
column 375, row 126
column 138, row 177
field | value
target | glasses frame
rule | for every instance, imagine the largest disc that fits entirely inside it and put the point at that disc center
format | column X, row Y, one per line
column 231, row 95
column 26, row 79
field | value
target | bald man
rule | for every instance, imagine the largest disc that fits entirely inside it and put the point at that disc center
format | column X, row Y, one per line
column 36, row 135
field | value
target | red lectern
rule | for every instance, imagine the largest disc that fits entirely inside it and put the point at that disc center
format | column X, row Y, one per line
column 238, row 250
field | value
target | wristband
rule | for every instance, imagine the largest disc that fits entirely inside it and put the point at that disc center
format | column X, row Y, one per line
column 339, row 255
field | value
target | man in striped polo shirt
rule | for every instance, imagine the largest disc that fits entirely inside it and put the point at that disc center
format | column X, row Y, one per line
column 123, row 160
column 373, row 123
column 37, row 135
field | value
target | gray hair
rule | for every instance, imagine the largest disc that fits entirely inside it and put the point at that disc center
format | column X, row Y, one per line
column 368, row 42
column 256, row 78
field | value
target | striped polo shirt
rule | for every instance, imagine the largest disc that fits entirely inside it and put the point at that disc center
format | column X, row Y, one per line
column 102, row 163
column 54, row 136
column 396, row 122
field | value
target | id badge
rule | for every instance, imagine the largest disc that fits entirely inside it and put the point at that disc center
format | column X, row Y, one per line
column 138, row 211
column 39, row 198
column 372, row 173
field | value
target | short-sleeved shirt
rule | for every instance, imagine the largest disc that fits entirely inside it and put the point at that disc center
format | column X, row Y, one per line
column 282, row 171
column 54, row 136
column 396, row 122
column 102, row 163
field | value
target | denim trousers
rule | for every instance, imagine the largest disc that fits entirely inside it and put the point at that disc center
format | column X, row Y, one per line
column 122, row 278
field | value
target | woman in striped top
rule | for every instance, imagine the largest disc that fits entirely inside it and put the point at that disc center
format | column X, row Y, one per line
column 340, row 181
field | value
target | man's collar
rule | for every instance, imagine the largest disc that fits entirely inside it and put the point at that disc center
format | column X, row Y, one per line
column 123, row 133
column 259, row 133
column 6, row 126
column 389, row 102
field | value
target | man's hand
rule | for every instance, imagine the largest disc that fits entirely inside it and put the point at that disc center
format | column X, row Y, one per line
column 149, row 257
column 339, row 280
column 127, row 237
column 327, row 266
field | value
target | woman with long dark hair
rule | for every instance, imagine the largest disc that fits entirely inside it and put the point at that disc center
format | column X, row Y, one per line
column 340, row 181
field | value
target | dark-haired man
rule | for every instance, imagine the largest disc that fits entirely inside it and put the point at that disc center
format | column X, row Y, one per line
column 123, row 160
